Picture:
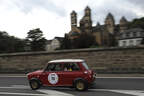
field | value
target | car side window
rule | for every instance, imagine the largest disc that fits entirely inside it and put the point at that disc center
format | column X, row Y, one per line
column 75, row 67
column 54, row 67
column 67, row 67
column 58, row 67
column 71, row 67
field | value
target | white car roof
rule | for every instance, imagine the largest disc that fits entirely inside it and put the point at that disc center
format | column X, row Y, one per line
column 66, row 60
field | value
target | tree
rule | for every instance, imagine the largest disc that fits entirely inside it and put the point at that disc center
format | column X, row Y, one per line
column 137, row 23
column 37, row 41
column 84, row 40
column 66, row 43
column 10, row 43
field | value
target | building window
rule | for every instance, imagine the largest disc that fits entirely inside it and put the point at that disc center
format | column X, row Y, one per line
column 123, row 35
column 141, row 34
column 131, row 34
column 138, row 33
column 124, row 43
column 134, row 34
column 131, row 42
column 127, row 35
column 138, row 42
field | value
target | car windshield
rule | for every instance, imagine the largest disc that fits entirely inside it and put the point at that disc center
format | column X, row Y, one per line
column 85, row 65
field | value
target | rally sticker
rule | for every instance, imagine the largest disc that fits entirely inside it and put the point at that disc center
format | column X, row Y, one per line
column 53, row 78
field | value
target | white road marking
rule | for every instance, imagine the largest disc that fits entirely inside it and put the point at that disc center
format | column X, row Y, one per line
column 24, row 94
column 23, row 86
column 58, row 93
column 54, row 93
column 45, row 91
column 15, row 87
column 129, row 92
column 12, row 76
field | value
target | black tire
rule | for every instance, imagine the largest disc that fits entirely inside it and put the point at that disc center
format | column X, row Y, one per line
column 34, row 84
column 81, row 85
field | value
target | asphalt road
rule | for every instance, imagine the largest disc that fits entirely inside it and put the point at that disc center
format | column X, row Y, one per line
column 104, row 86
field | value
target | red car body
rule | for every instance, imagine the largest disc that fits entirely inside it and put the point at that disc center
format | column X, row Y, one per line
column 61, row 77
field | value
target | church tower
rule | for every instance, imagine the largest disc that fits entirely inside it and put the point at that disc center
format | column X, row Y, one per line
column 88, row 11
column 86, row 22
column 110, row 23
column 123, row 24
column 87, row 18
column 73, row 20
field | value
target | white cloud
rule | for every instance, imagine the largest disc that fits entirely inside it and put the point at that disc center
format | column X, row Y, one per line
column 17, row 17
column 17, row 23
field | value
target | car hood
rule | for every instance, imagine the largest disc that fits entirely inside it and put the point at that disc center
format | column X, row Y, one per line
column 35, row 72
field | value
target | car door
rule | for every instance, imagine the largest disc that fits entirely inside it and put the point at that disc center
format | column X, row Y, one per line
column 72, row 72
column 52, row 76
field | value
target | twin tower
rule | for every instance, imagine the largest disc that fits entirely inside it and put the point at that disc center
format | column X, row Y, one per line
column 102, row 33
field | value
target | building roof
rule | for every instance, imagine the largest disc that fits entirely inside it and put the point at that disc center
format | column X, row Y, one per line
column 87, row 8
column 59, row 38
column 109, row 15
column 134, row 30
column 73, row 12
column 48, row 41
column 98, row 28
column 66, row 60
column 75, row 34
column 123, row 19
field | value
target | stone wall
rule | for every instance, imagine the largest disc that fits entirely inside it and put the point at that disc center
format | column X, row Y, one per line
column 110, row 60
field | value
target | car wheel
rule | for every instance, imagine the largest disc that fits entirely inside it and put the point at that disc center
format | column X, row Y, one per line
column 81, row 85
column 34, row 84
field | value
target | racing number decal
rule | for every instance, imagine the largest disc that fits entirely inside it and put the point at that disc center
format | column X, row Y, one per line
column 53, row 78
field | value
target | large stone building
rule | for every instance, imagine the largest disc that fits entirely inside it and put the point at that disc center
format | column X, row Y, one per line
column 105, row 35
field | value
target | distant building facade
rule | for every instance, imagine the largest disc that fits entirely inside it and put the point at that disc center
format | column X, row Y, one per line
column 131, row 37
column 105, row 35
column 54, row 44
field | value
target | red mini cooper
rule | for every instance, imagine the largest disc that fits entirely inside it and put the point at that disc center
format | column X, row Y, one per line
column 65, row 72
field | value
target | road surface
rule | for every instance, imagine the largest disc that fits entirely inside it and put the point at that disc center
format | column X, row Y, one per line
column 104, row 86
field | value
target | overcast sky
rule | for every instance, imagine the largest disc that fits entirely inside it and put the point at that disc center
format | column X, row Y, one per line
column 17, row 17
